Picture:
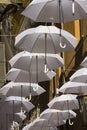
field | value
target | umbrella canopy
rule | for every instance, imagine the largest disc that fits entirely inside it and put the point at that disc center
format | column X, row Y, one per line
column 40, row 122
column 19, row 117
column 19, row 75
column 84, row 62
column 27, row 61
column 56, row 10
column 54, row 116
column 13, row 105
column 45, row 39
column 79, row 76
column 21, row 89
column 31, row 126
column 7, row 119
column 73, row 87
column 45, row 123
column 64, row 102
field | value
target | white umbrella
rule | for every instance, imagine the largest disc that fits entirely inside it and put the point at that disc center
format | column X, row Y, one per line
column 73, row 87
column 19, row 117
column 27, row 61
column 45, row 39
column 56, row 11
column 40, row 122
column 79, row 76
column 14, row 104
column 21, row 89
column 64, row 102
column 31, row 126
column 54, row 116
column 19, row 75
column 45, row 123
column 84, row 62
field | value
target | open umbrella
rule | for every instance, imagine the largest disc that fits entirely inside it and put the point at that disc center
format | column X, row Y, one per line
column 56, row 11
column 31, row 126
column 45, row 39
column 18, row 117
column 45, row 123
column 64, row 102
column 13, row 104
column 79, row 76
column 27, row 61
column 73, row 87
column 21, row 89
column 6, row 121
column 55, row 116
column 19, row 75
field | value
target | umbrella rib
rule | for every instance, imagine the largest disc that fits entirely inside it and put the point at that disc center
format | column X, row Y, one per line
column 75, row 104
column 53, row 44
column 52, row 41
column 79, row 10
column 35, row 42
column 42, row 9
column 62, row 13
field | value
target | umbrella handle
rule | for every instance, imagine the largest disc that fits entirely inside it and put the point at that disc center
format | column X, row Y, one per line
column 29, row 97
column 62, row 45
column 70, row 123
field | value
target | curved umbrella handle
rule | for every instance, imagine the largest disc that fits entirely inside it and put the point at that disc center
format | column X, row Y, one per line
column 70, row 123
column 62, row 45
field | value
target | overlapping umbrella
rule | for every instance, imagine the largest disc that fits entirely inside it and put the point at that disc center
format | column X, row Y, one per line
column 19, row 75
column 64, row 102
column 40, row 122
column 21, row 89
column 55, row 116
column 13, row 104
column 45, row 39
column 31, row 126
column 79, row 76
column 73, row 87
column 27, row 61
column 7, row 119
column 57, row 11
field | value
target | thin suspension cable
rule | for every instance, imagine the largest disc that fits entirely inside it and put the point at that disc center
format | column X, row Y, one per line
column 36, row 69
column 45, row 46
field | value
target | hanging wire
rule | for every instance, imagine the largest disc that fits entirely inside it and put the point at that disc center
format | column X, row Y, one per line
column 21, row 99
column 62, row 45
column 30, row 78
column 70, row 123
column 45, row 66
column 36, row 69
